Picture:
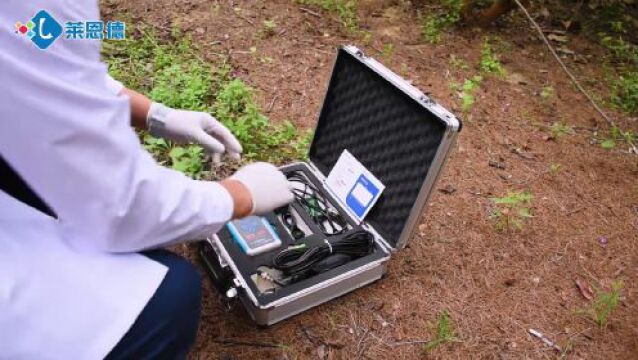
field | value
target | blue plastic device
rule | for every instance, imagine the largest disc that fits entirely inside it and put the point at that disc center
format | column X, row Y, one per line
column 254, row 235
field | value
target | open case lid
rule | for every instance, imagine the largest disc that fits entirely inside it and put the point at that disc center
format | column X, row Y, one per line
column 398, row 133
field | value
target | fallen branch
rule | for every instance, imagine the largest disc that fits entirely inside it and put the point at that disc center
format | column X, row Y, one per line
column 569, row 73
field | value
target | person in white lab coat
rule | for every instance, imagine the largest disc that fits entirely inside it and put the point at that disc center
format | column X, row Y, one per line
column 83, row 206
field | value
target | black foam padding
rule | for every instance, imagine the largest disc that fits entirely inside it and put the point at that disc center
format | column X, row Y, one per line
column 391, row 134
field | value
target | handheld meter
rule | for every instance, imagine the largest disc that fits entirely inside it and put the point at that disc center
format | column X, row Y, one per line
column 254, row 235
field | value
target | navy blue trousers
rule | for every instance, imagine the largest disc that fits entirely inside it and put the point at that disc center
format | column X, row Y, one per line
column 167, row 327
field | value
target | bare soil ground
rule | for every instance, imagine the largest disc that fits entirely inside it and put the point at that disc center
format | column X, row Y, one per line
column 495, row 285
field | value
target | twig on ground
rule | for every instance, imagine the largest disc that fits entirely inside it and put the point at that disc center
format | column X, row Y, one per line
column 310, row 12
column 545, row 339
column 360, row 349
column 568, row 72
column 272, row 103
column 316, row 339
column 245, row 343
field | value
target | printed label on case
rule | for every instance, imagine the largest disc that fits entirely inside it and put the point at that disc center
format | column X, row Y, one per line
column 354, row 185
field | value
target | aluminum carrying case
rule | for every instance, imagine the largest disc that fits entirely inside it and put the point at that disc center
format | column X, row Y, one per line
column 398, row 133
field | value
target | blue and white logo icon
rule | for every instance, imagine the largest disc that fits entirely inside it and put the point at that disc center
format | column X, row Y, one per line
column 42, row 29
column 361, row 196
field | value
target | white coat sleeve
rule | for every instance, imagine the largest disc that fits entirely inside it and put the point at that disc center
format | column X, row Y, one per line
column 114, row 86
column 69, row 138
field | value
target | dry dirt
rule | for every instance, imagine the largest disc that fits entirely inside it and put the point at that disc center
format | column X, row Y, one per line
column 495, row 285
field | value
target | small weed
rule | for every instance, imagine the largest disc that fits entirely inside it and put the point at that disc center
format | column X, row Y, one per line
column 458, row 63
column 387, row 51
column 604, row 304
column 185, row 85
column 625, row 92
column 268, row 28
column 547, row 93
column 512, row 210
column 188, row 159
column 261, row 140
column 621, row 50
column 345, row 9
column 434, row 23
column 466, row 92
column 405, row 70
column 554, row 169
column 444, row 332
column 156, row 146
column 617, row 135
column 559, row 129
column 366, row 37
column 490, row 62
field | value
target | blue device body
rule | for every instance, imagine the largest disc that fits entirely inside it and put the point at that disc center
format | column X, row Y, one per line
column 254, row 235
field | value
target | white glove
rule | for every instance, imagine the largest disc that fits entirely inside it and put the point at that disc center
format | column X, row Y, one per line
column 268, row 186
column 184, row 126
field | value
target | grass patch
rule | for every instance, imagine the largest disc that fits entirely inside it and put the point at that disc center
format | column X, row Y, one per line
column 604, row 304
column 433, row 24
column 512, row 210
column 625, row 92
column 466, row 92
column 554, row 169
column 346, row 10
column 560, row 129
column 490, row 62
column 444, row 332
column 171, row 72
column 547, row 93
column 268, row 28
column 617, row 135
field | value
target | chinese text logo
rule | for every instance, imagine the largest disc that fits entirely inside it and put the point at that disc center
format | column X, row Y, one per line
column 44, row 30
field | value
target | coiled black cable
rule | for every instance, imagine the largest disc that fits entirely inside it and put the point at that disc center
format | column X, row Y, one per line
column 298, row 261
column 311, row 199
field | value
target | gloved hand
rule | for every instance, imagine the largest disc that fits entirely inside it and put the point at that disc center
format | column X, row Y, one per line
column 267, row 185
column 184, row 126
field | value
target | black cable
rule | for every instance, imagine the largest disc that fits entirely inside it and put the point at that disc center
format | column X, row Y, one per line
column 315, row 204
column 297, row 262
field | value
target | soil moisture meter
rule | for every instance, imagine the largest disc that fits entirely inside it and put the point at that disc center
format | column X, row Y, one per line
column 254, row 235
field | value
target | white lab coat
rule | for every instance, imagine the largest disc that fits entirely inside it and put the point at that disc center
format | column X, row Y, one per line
column 71, row 288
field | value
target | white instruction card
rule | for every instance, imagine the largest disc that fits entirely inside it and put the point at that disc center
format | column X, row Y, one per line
column 356, row 187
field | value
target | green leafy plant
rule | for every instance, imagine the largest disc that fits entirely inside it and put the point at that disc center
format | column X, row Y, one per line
column 188, row 160
column 261, row 140
column 387, row 51
column 620, row 49
column 625, row 92
column 559, row 129
column 458, row 63
column 604, row 304
column 490, row 62
column 185, row 85
column 466, row 92
column 345, row 9
column 617, row 135
column 173, row 73
column 554, row 169
column 512, row 210
column 268, row 28
column 547, row 93
column 444, row 332
column 434, row 23
column 156, row 146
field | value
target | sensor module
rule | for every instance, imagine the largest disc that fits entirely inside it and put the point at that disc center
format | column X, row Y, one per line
column 254, row 235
